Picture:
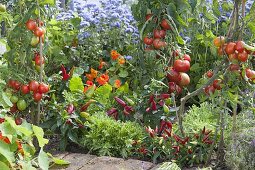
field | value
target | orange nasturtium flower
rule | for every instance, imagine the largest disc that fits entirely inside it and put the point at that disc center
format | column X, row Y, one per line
column 121, row 60
column 93, row 72
column 101, row 64
column 90, row 77
column 117, row 83
column 89, row 84
column 114, row 54
column 103, row 79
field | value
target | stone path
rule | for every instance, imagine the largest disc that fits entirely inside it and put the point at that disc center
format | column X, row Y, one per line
column 92, row 162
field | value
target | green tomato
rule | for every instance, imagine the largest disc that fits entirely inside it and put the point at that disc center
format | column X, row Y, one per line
column 2, row 8
column 34, row 41
column 38, row 68
column 14, row 99
column 21, row 105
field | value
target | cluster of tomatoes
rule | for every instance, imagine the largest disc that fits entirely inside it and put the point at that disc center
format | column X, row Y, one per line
column 216, row 85
column 39, row 61
column 157, row 39
column 20, row 90
column 177, row 75
column 36, row 27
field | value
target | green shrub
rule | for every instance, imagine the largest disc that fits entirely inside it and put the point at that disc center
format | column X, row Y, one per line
column 110, row 137
column 199, row 117
column 241, row 155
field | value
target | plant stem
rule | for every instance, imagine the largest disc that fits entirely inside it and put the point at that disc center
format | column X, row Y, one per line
column 198, row 91
column 221, row 153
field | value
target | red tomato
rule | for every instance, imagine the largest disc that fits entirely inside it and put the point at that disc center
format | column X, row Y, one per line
column 25, row 89
column 186, row 57
column 209, row 74
column 147, row 40
column 37, row 60
column 185, row 80
column 233, row 57
column 230, row 48
column 240, row 46
column 157, row 43
column 219, row 41
column 43, row 88
column 33, row 86
column 174, row 88
column 164, row 24
column 38, row 32
column 14, row 108
column 234, row 67
column 181, row 65
column 16, row 85
column 243, row 56
column 11, row 83
column 209, row 90
column 216, row 84
column 148, row 16
column 37, row 96
column 159, row 33
column 173, row 75
column 176, row 53
column 250, row 73
column 18, row 121
column 31, row 25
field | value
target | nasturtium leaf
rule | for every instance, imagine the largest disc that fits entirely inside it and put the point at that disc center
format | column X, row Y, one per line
column 123, row 73
column 43, row 160
column 5, row 151
column 76, row 84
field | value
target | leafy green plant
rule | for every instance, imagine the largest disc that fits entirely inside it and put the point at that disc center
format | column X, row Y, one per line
column 201, row 116
column 107, row 136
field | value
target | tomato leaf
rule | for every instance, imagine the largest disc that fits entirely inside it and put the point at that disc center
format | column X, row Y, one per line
column 39, row 134
column 4, row 166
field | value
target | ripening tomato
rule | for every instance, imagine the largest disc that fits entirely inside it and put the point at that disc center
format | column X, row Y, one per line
column 181, row 65
column 185, row 80
column 209, row 74
column 186, row 57
column 239, row 46
column 37, row 59
column 230, row 48
column 209, row 90
column 21, row 105
column 217, row 84
column 147, row 40
column 159, row 33
column 219, row 41
column 157, row 43
column 11, row 83
column 164, row 24
column 173, row 75
column 31, row 25
column 37, row 96
column 25, row 89
column 38, row 32
column 43, row 88
column 33, row 86
column 242, row 56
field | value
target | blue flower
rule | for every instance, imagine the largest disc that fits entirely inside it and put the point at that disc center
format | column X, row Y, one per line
column 128, row 57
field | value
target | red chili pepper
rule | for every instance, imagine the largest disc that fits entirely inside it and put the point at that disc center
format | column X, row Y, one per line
column 151, row 98
column 86, row 105
column 65, row 76
column 126, row 113
column 203, row 131
column 153, row 105
column 120, row 102
column 164, row 96
column 177, row 138
column 161, row 103
column 177, row 149
column 162, row 125
column 183, row 142
column 169, row 125
column 196, row 135
column 129, row 108
column 111, row 111
column 209, row 142
column 205, row 138
column 168, row 132
column 207, row 132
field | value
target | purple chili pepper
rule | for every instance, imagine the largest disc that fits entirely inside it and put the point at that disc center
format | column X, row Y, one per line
column 119, row 101
column 129, row 108
column 70, row 109
column 112, row 111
